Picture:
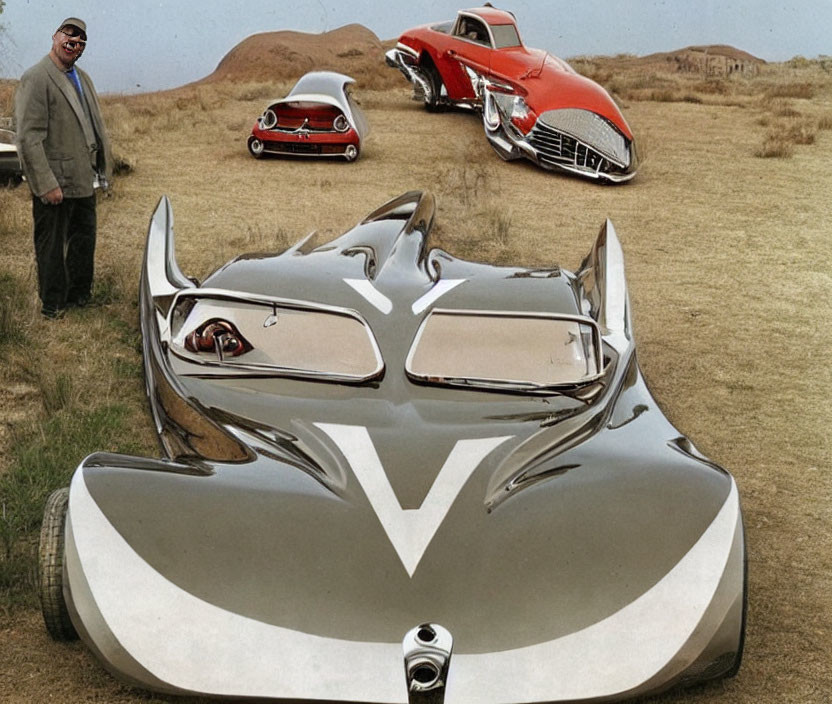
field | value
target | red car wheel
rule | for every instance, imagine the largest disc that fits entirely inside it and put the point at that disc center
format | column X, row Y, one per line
column 255, row 146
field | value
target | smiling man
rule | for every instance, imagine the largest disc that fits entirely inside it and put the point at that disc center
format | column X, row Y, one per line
column 65, row 155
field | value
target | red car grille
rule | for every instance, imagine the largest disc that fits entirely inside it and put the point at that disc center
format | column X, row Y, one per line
column 557, row 149
column 317, row 118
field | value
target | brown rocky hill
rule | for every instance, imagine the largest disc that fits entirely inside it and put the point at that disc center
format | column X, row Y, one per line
column 352, row 49
column 710, row 60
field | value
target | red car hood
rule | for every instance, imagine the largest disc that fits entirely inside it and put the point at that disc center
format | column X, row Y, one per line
column 549, row 83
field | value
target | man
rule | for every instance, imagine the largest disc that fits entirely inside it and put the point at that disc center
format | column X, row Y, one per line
column 65, row 155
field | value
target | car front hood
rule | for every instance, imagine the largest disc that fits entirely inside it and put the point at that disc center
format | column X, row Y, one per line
column 551, row 84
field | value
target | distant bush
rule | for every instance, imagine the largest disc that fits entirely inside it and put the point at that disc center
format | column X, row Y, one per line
column 662, row 96
column 787, row 111
column 801, row 133
column 798, row 62
column 713, row 86
column 248, row 92
column 775, row 146
column 825, row 122
column 801, row 89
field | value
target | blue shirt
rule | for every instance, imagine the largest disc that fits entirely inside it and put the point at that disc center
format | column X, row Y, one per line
column 73, row 76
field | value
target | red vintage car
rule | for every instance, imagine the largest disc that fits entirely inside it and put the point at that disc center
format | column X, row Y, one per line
column 319, row 117
column 533, row 104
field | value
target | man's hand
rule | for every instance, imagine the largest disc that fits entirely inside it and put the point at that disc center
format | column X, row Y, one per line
column 54, row 197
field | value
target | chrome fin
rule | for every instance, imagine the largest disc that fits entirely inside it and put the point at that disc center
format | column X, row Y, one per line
column 162, row 274
column 604, row 287
column 398, row 231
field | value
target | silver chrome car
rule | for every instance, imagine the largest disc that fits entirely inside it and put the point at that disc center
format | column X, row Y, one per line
column 392, row 475
column 11, row 172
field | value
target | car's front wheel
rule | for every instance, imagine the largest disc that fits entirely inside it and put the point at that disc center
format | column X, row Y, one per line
column 434, row 92
column 51, row 567
column 351, row 152
column 255, row 146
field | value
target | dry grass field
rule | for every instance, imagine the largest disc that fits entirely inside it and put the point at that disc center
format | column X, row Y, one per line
column 727, row 234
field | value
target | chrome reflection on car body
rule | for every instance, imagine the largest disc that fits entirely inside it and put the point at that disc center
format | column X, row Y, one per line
column 591, row 129
column 427, row 657
column 161, row 272
column 604, row 285
column 406, row 60
column 578, row 141
column 573, row 140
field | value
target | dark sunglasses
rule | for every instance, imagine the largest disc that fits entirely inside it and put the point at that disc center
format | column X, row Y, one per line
column 71, row 31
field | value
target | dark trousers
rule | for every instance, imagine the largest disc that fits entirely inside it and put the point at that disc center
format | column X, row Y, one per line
column 64, row 250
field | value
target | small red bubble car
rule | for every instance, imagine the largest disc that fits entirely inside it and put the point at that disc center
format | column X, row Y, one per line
column 318, row 117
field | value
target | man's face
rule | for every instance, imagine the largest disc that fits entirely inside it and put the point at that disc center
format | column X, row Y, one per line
column 68, row 44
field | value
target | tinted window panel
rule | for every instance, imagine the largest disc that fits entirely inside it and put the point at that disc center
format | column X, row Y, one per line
column 511, row 348
column 505, row 35
column 274, row 338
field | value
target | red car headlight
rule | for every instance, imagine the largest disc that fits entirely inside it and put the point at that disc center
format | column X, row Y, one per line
column 269, row 119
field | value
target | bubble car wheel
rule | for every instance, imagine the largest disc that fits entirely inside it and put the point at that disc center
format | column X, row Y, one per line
column 51, row 567
column 351, row 152
column 255, row 146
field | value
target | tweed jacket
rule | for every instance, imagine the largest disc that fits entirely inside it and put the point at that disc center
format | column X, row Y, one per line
column 55, row 140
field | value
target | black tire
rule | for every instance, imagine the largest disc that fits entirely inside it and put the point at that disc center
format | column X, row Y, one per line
column 255, row 147
column 51, row 568
column 432, row 74
column 735, row 667
column 351, row 156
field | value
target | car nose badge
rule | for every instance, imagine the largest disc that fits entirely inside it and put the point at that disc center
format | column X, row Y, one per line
column 427, row 656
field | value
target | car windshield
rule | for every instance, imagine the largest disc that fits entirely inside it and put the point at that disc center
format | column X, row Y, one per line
column 516, row 350
column 273, row 337
column 505, row 35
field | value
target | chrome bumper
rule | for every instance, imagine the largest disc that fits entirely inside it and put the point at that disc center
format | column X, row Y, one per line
column 555, row 149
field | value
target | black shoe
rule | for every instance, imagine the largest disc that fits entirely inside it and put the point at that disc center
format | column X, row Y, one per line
column 52, row 313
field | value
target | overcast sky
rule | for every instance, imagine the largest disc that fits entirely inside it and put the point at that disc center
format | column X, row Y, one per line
column 144, row 45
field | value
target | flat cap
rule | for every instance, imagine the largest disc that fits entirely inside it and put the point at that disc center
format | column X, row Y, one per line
column 75, row 22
